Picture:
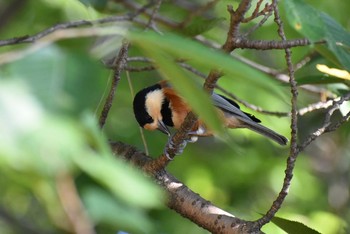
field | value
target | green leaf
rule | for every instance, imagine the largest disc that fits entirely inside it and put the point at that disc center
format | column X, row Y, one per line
column 305, row 19
column 74, row 9
column 338, row 40
column 200, row 25
column 191, row 91
column 195, row 52
column 316, row 25
column 187, row 87
column 124, row 181
column 104, row 208
column 321, row 79
column 165, row 49
column 293, row 227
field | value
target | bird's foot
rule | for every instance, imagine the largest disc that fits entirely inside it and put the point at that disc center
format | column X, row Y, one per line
column 193, row 135
column 171, row 146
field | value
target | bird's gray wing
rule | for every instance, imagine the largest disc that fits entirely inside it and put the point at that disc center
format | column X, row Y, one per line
column 223, row 104
column 227, row 107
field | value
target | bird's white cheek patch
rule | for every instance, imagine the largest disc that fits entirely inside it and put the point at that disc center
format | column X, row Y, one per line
column 154, row 101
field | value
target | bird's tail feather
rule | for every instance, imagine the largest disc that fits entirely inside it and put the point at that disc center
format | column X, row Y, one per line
column 267, row 132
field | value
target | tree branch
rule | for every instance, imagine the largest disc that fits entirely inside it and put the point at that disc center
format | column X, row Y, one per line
column 327, row 125
column 183, row 200
column 119, row 65
column 293, row 153
column 73, row 24
column 243, row 43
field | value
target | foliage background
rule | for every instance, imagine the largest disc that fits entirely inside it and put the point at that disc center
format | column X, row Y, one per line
column 50, row 98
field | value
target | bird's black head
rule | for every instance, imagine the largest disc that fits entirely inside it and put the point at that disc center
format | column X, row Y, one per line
column 139, row 104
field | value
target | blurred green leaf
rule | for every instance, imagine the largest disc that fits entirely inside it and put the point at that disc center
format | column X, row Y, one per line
column 61, row 80
column 123, row 180
column 321, row 79
column 316, row 25
column 33, row 140
column 73, row 9
column 189, row 89
column 293, row 227
column 103, row 208
column 195, row 52
column 165, row 49
column 200, row 25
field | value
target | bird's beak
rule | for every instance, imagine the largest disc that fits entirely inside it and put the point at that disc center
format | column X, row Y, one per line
column 163, row 128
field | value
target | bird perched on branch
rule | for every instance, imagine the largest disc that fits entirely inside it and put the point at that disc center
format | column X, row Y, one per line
column 158, row 107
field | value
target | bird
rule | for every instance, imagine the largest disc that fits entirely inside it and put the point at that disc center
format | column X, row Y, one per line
column 158, row 107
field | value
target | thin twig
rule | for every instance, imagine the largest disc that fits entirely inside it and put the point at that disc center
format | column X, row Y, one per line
column 57, row 27
column 243, row 43
column 119, row 65
column 140, row 69
column 280, row 76
column 327, row 125
column 196, row 12
column 141, row 129
column 276, row 205
column 151, row 23
column 258, row 25
column 14, row 55
column 256, row 13
column 136, row 7
column 305, row 60
column 316, row 106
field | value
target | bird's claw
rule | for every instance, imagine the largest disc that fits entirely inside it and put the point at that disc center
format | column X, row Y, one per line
column 171, row 145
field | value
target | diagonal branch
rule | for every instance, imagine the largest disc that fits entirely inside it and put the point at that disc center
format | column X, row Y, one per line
column 327, row 125
column 73, row 24
column 119, row 65
column 183, row 200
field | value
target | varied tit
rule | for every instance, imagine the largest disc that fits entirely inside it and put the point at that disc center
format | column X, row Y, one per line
column 159, row 106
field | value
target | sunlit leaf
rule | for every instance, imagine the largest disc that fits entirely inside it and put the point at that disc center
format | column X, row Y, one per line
column 342, row 74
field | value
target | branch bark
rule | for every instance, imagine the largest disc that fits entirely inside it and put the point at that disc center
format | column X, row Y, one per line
column 183, row 200
column 119, row 64
column 293, row 153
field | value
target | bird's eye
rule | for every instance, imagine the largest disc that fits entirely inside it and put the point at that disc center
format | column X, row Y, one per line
column 149, row 119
